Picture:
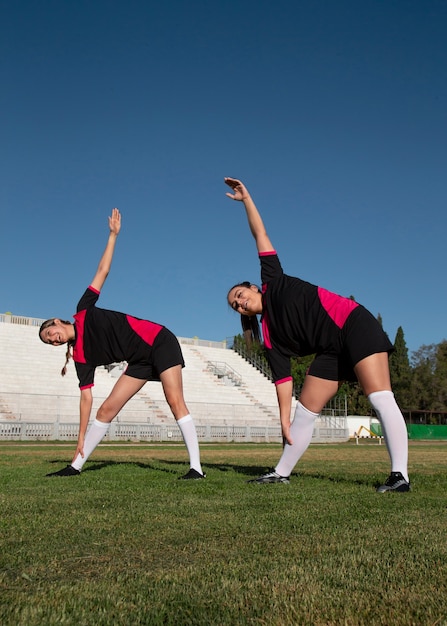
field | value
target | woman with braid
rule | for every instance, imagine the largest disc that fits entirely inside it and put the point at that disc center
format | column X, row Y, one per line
column 299, row 319
column 101, row 337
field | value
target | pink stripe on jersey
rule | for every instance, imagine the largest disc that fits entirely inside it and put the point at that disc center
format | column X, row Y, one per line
column 94, row 290
column 268, row 253
column 337, row 307
column 78, row 350
column 144, row 329
column 283, row 380
column 265, row 323
column 266, row 331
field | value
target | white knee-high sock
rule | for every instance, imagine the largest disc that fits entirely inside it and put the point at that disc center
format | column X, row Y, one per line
column 394, row 429
column 95, row 435
column 189, row 434
column 301, row 431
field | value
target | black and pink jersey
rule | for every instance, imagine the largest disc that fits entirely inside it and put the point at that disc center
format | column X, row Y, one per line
column 104, row 337
column 298, row 318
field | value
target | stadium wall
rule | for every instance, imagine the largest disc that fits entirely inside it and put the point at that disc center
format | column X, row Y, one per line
column 229, row 399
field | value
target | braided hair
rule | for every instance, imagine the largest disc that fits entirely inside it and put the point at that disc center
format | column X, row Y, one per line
column 70, row 344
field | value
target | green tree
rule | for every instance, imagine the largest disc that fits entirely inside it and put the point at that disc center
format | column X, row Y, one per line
column 357, row 402
column 422, row 390
column 300, row 365
column 440, row 378
column 400, row 370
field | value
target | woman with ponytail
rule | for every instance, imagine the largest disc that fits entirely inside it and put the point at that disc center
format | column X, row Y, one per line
column 250, row 325
column 70, row 343
column 101, row 337
column 299, row 319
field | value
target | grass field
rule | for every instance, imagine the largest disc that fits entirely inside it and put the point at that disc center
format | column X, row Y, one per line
column 126, row 543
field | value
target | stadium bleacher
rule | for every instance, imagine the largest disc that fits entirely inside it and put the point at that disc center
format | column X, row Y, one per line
column 220, row 387
column 229, row 399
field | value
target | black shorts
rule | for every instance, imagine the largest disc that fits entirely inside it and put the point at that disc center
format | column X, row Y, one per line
column 361, row 336
column 166, row 353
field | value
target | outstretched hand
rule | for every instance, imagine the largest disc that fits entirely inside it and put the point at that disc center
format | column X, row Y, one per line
column 240, row 191
column 106, row 260
column 115, row 222
column 255, row 222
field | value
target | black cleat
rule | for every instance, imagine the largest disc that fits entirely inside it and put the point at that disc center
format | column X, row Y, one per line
column 192, row 475
column 66, row 471
column 270, row 477
column 394, row 482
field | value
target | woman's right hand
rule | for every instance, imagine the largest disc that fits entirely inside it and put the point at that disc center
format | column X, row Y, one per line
column 79, row 449
column 285, row 429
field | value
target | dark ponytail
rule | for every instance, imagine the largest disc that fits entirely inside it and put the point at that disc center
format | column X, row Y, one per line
column 251, row 330
column 68, row 356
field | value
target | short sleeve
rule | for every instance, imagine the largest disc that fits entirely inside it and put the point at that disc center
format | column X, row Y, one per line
column 86, row 375
column 88, row 299
column 270, row 266
column 280, row 366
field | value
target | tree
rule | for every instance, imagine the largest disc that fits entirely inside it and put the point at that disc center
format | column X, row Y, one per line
column 357, row 402
column 440, row 378
column 422, row 392
column 400, row 370
column 300, row 365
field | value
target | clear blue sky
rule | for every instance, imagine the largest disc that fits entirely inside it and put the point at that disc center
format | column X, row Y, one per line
column 332, row 113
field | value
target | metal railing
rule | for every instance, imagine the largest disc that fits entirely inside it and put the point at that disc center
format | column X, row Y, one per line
column 9, row 318
column 253, row 358
column 128, row 432
column 222, row 370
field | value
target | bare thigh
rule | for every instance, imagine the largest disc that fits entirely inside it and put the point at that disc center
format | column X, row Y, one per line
column 317, row 392
column 373, row 373
column 125, row 388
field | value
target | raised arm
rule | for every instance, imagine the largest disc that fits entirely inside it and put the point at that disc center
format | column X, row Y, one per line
column 106, row 259
column 255, row 222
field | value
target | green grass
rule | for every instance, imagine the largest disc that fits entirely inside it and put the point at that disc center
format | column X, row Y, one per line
column 126, row 543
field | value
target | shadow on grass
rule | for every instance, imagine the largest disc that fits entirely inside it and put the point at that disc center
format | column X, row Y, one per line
column 340, row 479
column 221, row 467
column 245, row 470
column 99, row 465
column 254, row 470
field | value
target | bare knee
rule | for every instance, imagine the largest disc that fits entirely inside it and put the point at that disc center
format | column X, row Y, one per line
column 106, row 412
column 177, row 406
